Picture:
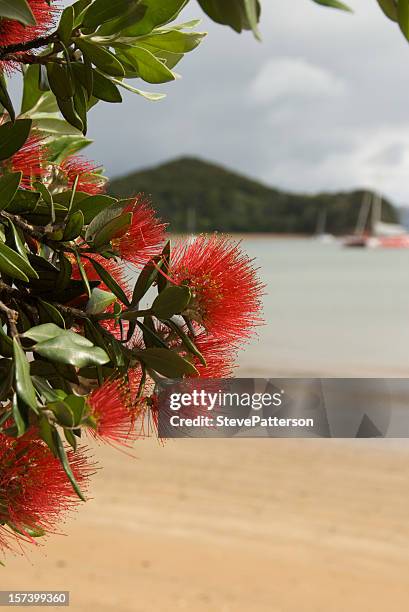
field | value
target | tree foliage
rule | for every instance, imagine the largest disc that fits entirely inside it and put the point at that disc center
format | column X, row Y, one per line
column 82, row 340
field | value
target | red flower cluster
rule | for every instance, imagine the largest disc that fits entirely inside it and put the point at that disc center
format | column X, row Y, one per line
column 113, row 414
column 12, row 32
column 219, row 357
column 145, row 236
column 225, row 288
column 89, row 181
column 29, row 160
column 34, row 489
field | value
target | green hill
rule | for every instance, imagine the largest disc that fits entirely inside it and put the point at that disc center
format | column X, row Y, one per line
column 192, row 194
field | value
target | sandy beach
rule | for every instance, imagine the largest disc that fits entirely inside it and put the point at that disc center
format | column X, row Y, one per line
column 235, row 525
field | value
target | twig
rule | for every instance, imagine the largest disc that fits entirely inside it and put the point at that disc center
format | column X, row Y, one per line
column 12, row 318
column 74, row 312
column 36, row 231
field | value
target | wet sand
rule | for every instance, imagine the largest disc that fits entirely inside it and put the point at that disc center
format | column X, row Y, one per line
column 234, row 526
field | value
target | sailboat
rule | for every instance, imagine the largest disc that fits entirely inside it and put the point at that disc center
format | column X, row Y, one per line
column 320, row 234
column 381, row 235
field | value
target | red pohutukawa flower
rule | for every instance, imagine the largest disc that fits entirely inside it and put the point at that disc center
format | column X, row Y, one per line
column 112, row 412
column 226, row 291
column 89, row 181
column 29, row 160
column 34, row 489
column 13, row 32
column 145, row 236
column 219, row 357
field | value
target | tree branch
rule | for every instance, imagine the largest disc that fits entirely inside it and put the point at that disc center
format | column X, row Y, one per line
column 37, row 43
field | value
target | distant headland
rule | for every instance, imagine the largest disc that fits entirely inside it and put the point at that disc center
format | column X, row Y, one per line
column 198, row 196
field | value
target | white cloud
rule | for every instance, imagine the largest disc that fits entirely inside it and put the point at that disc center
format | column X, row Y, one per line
column 292, row 78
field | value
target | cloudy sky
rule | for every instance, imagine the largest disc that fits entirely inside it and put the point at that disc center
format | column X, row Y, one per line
column 321, row 104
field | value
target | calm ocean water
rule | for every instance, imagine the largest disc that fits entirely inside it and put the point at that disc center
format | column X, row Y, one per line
column 330, row 311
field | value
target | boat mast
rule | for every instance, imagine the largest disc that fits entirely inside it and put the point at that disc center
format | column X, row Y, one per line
column 376, row 211
column 363, row 213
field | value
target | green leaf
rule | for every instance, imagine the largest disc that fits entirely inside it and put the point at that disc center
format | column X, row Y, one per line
column 65, row 349
column 71, row 439
column 62, row 412
column 62, row 455
column 390, row 8
column 31, row 90
column 173, row 41
column 106, row 214
column 162, row 280
column 81, row 105
column 13, row 136
column 18, row 241
column 9, row 183
column 66, row 25
column 113, row 229
column 56, row 126
column 47, row 197
column 79, row 10
column 403, row 17
column 129, row 18
column 188, row 343
column 110, row 282
column 69, row 113
column 99, row 301
column 146, row 279
column 24, row 385
column 101, row 11
column 43, row 387
column 171, row 301
column 47, row 331
column 74, row 226
column 101, row 87
column 166, row 362
column 18, row 419
column 18, row 10
column 60, row 80
column 104, row 89
column 158, row 13
column 5, row 99
column 77, row 405
column 83, row 273
column 101, row 58
column 152, row 97
column 149, row 335
column 333, row 4
column 89, row 77
column 14, row 265
column 46, row 434
column 23, row 202
column 239, row 15
column 147, row 66
column 63, row 146
column 252, row 8
column 6, row 343
column 24, row 530
column 64, row 274
column 48, row 313
column 91, row 206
